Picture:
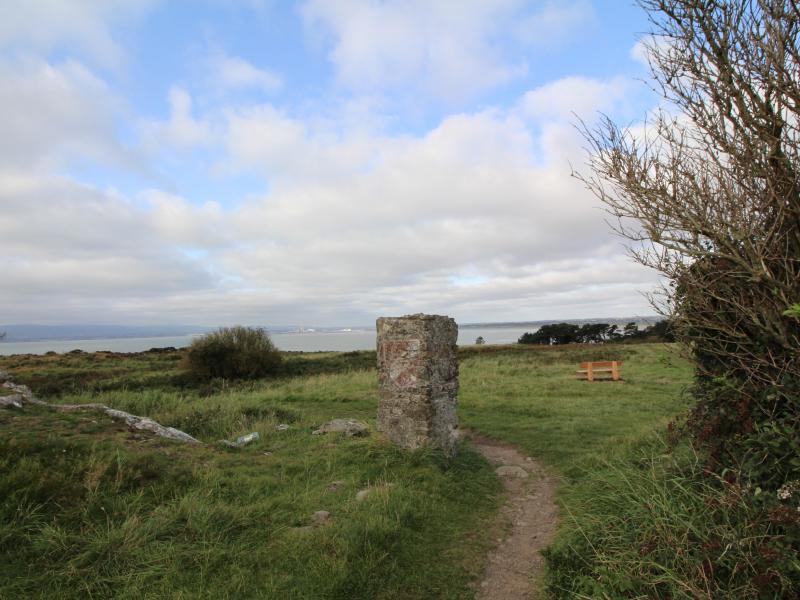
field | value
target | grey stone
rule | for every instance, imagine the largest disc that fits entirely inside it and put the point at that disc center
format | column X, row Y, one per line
column 320, row 517
column 141, row 423
column 346, row 426
column 418, row 380
column 243, row 440
column 132, row 421
column 281, row 427
column 13, row 401
column 24, row 390
column 511, row 471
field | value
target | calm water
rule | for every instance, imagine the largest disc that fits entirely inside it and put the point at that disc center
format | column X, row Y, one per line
column 341, row 341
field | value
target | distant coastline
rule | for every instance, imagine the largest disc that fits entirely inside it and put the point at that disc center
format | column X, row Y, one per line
column 51, row 333
column 299, row 339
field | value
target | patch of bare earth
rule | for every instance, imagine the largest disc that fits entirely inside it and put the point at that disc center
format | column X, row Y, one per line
column 515, row 565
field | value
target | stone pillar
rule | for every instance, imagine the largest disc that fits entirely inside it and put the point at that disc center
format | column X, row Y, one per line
column 418, row 379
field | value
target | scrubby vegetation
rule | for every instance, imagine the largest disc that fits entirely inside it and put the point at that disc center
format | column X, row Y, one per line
column 233, row 353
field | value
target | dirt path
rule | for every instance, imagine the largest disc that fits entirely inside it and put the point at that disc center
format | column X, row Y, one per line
column 515, row 564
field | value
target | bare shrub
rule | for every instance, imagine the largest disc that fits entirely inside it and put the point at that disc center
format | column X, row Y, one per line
column 709, row 197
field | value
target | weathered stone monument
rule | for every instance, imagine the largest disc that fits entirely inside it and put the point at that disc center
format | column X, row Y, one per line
column 418, row 379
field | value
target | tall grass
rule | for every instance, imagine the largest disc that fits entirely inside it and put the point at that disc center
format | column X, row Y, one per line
column 651, row 523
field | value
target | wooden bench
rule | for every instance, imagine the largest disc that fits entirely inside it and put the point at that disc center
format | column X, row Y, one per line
column 599, row 371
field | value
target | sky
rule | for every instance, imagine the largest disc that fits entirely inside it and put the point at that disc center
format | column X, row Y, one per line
column 320, row 162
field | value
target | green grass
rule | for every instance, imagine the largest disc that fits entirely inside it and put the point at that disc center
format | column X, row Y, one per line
column 655, row 524
column 532, row 398
column 92, row 510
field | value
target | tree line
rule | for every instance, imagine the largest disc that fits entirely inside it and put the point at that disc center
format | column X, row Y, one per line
column 597, row 333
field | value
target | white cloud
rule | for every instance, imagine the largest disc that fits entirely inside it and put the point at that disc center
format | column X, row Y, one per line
column 554, row 22
column 234, row 73
column 269, row 141
column 181, row 129
column 80, row 25
column 640, row 50
column 191, row 226
column 449, row 49
column 584, row 97
column 476, row 218
column 55, row 114
column 392, row 227
column 71, row 243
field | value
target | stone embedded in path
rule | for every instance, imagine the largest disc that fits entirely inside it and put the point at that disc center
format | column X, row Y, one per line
column 418, row 379
column 511, row 471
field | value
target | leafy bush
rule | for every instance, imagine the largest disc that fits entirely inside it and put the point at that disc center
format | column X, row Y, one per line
column 233, row 353
column 764, row 451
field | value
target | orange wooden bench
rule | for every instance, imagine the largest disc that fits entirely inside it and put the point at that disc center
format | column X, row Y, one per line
column 598, row 371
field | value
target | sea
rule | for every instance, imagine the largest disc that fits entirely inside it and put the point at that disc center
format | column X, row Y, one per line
column 299, row 341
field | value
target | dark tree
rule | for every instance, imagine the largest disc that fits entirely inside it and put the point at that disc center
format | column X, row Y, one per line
column 592, row 333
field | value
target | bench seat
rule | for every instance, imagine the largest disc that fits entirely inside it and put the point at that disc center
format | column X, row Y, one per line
column 600, row 370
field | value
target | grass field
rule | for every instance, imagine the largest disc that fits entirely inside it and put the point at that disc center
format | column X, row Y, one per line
column 90, row 509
